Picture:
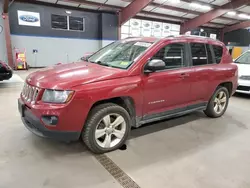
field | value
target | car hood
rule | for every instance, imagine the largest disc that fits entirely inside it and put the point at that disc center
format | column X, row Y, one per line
column 244, row 69
column 67, row 76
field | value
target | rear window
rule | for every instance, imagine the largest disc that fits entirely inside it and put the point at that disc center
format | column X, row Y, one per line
column 218, row 51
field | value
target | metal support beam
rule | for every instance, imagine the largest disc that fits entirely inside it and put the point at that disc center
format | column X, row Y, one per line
column 132, row 9
column 8, row 39
column 207, row 17
column 241, row 25
column 5, row 6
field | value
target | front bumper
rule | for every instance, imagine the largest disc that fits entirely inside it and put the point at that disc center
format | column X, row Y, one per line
column 243, row 86
column 6, row 76
column 34, row 125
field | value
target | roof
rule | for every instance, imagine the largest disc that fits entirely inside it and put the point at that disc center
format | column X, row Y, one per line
column 169, row 10
column 145, row 39
column 190, row 37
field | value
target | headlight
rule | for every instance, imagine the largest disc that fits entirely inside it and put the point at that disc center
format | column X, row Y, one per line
column 56, row 96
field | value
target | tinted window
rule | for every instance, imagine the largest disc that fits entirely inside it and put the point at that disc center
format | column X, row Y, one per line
column 76, row 23
column 218, row 50
column 172, row 55
column 59, row 22
column 199, row 55
column 244, row 59
column 209, row 55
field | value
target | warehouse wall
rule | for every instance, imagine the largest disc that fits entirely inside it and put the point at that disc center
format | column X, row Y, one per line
column 239, row 37
column 55, row 45
column 3, row 53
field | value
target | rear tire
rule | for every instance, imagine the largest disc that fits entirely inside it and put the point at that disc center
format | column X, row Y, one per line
column 107, row 128
column 218, row 103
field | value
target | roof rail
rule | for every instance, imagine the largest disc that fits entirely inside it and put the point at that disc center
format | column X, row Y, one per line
column 194, row 36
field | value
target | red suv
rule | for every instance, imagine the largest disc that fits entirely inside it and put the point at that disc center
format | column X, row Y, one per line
column 126, row 84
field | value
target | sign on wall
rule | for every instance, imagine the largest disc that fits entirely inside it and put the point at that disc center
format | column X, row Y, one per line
column 157, row 27
column 166, row 29
column 135, row 27
column 146, row 28
column 28, row 18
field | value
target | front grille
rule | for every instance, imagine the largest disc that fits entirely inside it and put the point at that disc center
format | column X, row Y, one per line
column 30, row 93
column 245, row 77
column 243, row 88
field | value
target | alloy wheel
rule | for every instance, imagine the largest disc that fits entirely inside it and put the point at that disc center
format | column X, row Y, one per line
column 220, row 102
column 110, row 130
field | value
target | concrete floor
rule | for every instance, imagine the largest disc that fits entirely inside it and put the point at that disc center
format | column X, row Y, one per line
column 187, row 152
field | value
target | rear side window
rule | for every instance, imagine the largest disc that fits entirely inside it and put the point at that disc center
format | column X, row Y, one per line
column 199, row 54
column 218, row 51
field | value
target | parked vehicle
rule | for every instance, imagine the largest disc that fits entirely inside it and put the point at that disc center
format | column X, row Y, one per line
column 126, row 84
column 243, row 63
column 5, row 71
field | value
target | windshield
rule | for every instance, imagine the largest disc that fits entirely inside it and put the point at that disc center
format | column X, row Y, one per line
column 119, row 54
column 244, row 59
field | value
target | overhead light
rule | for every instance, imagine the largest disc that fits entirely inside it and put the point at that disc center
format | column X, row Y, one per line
column 196, row 5
column 68, row 12
column 231, row 13
column 205, row 7
column 244, row 16
column 174, row 1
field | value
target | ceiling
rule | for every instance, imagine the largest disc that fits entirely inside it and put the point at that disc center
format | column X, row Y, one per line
column 169, row 10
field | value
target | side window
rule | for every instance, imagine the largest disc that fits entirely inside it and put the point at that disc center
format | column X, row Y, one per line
column 218, row 51
column 199, row 54
column 209, row 55
column 172, row 55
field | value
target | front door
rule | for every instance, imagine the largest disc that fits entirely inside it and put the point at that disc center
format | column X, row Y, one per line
column 168, row 89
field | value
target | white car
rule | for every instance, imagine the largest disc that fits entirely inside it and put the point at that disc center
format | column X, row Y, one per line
column 243, row 63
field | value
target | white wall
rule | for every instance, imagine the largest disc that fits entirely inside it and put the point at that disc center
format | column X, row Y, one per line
column 3, row 53
column 105, row 43
column 53, row 50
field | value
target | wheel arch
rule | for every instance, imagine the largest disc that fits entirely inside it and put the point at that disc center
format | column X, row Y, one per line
column 126, row 102
column 228, row 85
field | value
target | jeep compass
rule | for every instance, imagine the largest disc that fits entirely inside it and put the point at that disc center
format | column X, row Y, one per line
column 127, row 84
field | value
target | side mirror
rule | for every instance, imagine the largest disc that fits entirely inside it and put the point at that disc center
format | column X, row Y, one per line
column 86, row 56
column 154, row 65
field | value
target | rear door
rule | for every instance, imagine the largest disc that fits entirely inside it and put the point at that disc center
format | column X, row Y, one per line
column 202, row 62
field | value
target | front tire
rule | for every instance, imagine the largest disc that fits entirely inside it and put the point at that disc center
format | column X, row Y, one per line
column 218, row 103
column 107, row 128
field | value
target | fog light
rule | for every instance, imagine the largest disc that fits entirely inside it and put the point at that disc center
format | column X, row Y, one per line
column 50, row 120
